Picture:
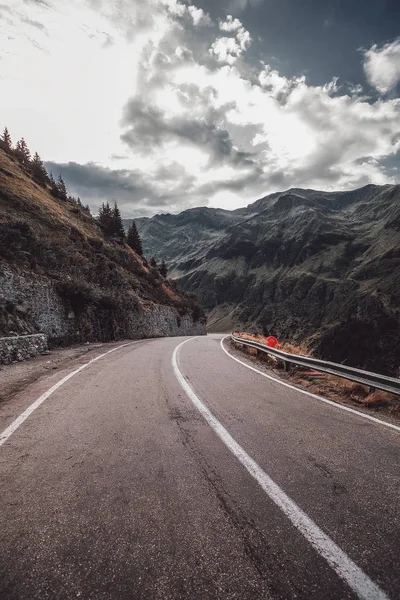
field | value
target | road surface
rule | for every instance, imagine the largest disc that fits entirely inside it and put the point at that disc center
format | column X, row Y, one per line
column 167, row 473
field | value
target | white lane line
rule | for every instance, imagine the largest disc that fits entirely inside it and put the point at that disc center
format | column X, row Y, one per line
column 347, row 570
column 315, row 396
column 7, row 433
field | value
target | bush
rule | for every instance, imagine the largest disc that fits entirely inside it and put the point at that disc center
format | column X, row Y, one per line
column 77, row 294
column 17, row 237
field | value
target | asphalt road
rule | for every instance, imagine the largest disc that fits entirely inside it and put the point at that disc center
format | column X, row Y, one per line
column 135, row 480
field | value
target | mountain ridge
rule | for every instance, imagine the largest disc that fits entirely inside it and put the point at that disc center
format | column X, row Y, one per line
column 307, row 265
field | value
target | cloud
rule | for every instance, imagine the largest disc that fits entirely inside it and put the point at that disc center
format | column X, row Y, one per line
column 150, row 128
column 199, row 16
column 162, row 109
column 382, row 66
column 228, row 49
column 170, row 188
column 237, row 6
column 230, row 24
column 137, row 194
column 34, row 24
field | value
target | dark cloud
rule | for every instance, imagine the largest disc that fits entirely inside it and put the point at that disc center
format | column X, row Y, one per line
column 149, row 127
column 135, row 193
column 171, row 188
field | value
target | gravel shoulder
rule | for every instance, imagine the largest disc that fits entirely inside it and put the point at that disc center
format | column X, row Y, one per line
column 16, row 377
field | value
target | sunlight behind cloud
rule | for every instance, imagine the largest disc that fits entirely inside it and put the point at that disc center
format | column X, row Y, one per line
column 76, row 90
column 159, row 90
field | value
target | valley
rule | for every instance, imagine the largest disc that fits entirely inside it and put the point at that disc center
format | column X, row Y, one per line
column 307, row 266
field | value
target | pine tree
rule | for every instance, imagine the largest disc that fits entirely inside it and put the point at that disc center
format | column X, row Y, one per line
column 105, row 219
column 38, row 170
column 53, row 186
column 163, row 269
column 153, row 262
column 5, row 141
column 62, row 188
column 22, row 152
column 118, row 226
column 133, row 239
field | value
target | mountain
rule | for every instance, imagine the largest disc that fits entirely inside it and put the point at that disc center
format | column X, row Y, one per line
column 61, row 275
column 306, row 265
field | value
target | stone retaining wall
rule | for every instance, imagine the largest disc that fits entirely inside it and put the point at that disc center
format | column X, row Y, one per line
column 30, row 303
column 21, row 347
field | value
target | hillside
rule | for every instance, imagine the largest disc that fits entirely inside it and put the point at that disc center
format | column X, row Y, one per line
column 59, row 274
column 308, row 266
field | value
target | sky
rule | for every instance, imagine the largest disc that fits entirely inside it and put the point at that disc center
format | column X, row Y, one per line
column 164, row 105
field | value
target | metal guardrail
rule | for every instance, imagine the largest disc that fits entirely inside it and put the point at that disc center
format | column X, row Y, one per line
column 373, row 380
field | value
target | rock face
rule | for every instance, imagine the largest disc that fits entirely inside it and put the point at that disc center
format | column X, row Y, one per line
column 33, row 303
column 20, row 348
column 309, row 266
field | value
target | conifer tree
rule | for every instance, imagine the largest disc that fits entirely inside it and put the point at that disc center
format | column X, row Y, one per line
column 105, row 219
column 118, row 226
column 53, row 186
column 153, row 262
column 39, row 170
column 163, row 269
column 5, row 140
column 133, row 239
column 62, row 188
column 22, row 152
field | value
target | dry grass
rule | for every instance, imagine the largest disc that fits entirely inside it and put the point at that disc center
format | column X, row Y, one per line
column 170, row 293
column 252, row 337
column 299, row 349
column 57, row 239
column 380, row 399
column 327, row 385
column 270, row 360
column 37, row 204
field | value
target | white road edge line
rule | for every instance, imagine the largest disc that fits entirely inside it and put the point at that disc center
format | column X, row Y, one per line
column 315, row 396
column 347, row 570
column 7, row 433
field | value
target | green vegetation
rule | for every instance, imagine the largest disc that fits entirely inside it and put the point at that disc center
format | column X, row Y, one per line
column 133, row 239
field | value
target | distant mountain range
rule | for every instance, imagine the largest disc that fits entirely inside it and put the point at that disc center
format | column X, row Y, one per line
column 306, row 265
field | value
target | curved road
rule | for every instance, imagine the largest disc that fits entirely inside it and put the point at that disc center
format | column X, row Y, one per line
column 167, row 473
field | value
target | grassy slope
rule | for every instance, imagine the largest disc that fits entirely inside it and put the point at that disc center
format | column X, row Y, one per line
column 57, row 239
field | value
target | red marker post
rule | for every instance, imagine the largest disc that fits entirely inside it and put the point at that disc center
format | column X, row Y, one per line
column 272, row 342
